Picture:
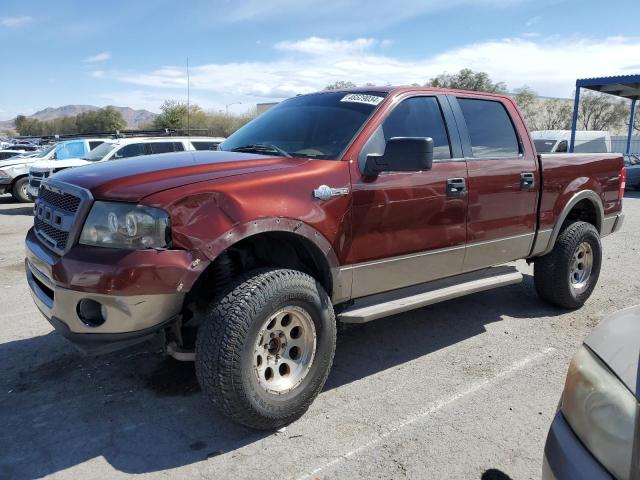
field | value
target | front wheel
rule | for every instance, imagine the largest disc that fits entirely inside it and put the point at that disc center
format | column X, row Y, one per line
column 567, row 275
column 266, row 347
column 19, row 190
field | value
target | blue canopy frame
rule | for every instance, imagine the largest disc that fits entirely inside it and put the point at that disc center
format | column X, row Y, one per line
column 624, row 86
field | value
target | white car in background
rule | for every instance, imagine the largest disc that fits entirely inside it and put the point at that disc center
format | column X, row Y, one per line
column 116, row 149
column 557, row 141
column 19, row 175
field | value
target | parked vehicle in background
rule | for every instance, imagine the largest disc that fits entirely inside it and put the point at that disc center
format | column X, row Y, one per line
column 116, row 149
column 344, row 205
column 557, row 141
column 632, row 162
column 26, row 147
column 14, row 173
column 594, row 434
column 4, row 154
column 17, row 178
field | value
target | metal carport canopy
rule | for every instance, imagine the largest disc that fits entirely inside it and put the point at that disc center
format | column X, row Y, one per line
column 624, row 86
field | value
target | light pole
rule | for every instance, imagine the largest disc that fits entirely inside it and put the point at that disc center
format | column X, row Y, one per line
column 230, row 104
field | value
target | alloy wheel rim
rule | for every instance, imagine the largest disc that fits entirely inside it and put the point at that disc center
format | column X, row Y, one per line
column 581, row 267
column 284, row 350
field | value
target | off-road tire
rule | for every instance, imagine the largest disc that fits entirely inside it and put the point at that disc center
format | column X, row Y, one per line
column 551, row 273
column 18, row 190
column 226, row 339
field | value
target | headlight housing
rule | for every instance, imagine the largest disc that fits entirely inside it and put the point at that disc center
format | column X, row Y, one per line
column 125, row 225
column 601, row 412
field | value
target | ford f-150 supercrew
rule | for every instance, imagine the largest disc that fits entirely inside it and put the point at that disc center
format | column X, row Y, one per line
column 336, row 206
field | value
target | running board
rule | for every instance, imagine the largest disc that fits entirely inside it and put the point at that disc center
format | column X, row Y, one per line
column 397, row 301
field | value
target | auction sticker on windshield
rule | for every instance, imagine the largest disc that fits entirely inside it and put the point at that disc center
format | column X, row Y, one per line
column 362, row 98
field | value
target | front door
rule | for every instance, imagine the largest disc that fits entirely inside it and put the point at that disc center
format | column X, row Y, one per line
column 503, row 183
column 409, row 227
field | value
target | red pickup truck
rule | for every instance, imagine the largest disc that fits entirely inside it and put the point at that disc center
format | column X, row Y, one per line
column 336, row 206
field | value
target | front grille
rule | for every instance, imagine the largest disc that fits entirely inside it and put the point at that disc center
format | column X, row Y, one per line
column 52, row 234
column 59, row 212
column 64, row 201
column 39, row 174
column 34, row 183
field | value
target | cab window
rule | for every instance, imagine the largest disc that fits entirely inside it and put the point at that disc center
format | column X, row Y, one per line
column 131, row 150
column 490, row 129
column 413, row 117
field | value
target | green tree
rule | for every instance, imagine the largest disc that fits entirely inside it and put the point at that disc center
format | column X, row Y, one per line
column 174, row 115
column 28, row 126
column 467, row 79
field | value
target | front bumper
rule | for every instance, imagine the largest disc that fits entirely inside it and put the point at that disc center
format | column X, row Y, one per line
column 134, row 308
column 565, row 457
column 33, row 191
column 5, row 185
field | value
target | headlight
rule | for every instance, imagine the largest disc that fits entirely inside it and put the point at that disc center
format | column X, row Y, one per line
column 124, row 225
column 601, row 412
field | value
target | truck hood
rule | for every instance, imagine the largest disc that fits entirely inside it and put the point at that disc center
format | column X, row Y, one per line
column 135, row 178
column 10, row 162
column 47, row 165
column 617, row 342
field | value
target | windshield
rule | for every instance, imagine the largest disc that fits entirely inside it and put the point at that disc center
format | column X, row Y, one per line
column 99, row 152
column 43, row 153
column 544, row 146
column 316, row 126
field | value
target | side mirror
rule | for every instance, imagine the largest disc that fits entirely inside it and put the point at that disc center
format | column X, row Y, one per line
column 402, row 154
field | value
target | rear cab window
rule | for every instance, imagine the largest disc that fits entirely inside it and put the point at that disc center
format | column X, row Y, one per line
column 490, row 128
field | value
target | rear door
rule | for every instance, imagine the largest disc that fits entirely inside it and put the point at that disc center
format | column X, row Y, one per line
column 503, row 181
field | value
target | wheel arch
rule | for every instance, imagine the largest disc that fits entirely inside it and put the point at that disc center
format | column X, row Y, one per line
column 585, row 205
column 279, row 242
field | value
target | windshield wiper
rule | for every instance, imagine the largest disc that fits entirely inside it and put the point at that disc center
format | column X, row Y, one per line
column 261, row 147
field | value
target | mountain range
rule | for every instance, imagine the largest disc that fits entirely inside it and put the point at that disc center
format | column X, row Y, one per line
column 134, row 118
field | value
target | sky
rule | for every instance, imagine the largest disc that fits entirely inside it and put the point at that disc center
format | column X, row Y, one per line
column 134, row 53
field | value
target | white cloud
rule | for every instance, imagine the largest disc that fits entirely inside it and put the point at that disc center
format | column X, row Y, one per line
column 97, row 74
column 99, row 57
column 15, row 22
column 367, row 13
column 326, row 47
column 549, row 65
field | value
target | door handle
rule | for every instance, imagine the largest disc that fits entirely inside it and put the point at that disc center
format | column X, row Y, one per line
column 527, row 181
column 456, row 187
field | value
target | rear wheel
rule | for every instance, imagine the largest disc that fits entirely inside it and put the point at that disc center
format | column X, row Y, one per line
column 567, row 275
column 19, row 190
column 266, row 347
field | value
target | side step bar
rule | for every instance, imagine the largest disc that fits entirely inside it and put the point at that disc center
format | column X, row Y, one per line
column 397, row 301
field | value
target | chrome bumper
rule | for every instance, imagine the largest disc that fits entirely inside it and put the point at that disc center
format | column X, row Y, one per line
column 128, row 319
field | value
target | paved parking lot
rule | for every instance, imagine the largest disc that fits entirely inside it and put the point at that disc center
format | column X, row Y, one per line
column 463, row 389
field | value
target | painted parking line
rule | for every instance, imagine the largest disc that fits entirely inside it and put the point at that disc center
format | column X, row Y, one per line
column 433, row 408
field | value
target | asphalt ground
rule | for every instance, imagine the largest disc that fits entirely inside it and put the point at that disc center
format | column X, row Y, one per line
column 463, row 389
